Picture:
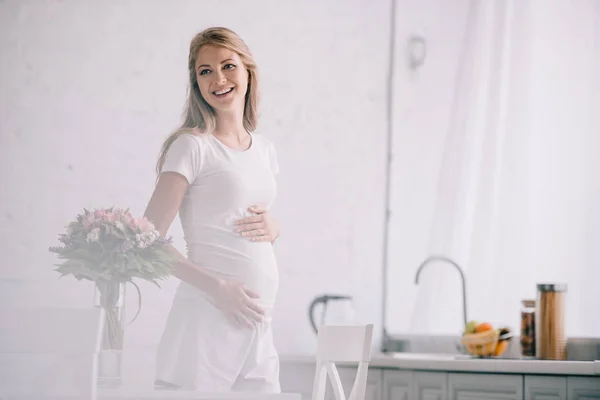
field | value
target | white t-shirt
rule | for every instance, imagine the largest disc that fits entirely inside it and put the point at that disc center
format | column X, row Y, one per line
column 224, row 182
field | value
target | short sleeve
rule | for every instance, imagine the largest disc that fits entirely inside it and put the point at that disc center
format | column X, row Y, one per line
column 273, row 159
column 183, row 156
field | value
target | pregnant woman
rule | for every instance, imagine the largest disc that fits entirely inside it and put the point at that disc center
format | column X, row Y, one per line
column 220, row 176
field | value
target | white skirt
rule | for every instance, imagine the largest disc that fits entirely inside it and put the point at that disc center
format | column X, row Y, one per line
column 201, row 349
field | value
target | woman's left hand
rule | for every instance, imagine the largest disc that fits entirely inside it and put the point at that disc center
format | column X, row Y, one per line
column 260, row 227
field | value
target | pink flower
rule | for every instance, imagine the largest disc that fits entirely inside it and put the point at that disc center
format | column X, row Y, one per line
column 127, row 217
column 101, row 215
column 115, row 215
column 132, row 223
column 88, row 221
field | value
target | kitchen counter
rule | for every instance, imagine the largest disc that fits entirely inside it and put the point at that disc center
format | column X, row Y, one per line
column 464, row 363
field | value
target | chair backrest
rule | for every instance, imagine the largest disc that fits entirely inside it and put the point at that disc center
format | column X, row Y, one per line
column 49, row 352
column 348, row 344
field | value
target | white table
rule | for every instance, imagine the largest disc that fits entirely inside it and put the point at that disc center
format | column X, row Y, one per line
column 150, row 394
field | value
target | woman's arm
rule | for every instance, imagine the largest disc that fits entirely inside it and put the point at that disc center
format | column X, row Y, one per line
column 161, row 211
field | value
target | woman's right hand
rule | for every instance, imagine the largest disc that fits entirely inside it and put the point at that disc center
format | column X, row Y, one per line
column 237, row 302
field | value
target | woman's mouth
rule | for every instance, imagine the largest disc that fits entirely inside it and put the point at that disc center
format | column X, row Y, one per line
column 223, row 92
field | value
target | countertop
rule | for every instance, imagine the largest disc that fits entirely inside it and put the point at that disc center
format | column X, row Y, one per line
column 464, row 363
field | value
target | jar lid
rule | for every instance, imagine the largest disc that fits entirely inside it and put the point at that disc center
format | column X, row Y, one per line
column 552, row 287
column 528, row 303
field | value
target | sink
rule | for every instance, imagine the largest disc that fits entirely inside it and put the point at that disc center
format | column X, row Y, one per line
column 437, row 345
column 431, row 356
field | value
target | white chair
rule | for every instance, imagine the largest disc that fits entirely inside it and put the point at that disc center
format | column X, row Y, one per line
column 337, row 344
column 49, row 353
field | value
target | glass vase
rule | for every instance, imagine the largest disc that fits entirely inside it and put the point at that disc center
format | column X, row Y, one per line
column 111, row 297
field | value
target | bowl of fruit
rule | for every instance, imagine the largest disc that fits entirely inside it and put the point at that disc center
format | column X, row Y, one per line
column 483, row 340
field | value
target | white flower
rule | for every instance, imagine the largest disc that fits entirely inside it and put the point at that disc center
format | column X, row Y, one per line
column 145, row 239
column 93, row 236
column 152, row 236
column 120, row 226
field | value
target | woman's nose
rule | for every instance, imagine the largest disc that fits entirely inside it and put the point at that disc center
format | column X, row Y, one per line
column 219, row 77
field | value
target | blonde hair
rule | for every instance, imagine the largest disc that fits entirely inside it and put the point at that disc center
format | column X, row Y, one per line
column 198, row 114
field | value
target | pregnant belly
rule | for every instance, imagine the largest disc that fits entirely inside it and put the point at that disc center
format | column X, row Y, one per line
column 251, row 263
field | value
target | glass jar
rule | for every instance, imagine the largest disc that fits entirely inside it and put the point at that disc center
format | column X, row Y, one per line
column 551, row 340
column 528, row 328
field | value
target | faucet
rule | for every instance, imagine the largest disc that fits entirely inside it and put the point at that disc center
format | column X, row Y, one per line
column 462, row 277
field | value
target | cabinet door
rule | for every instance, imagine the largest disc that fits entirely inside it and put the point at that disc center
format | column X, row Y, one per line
column 430, row 386
column 348, row 376
column 485, row 386
column 545, row 387
column 583, row 387
column 374, row 385
column 397, row 384
column 297, row 378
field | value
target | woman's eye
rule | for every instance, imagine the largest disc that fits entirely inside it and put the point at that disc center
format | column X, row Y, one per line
column 229, row 66
column 204, row 72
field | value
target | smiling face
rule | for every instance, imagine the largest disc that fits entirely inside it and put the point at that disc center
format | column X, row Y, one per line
column 222, row 78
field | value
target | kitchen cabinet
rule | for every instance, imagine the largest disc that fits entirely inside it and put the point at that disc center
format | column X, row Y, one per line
column 423, row 385
column 583, row 388
column 298, row 378
column 485, row 386
column 414, row 385
column 545, row 388
column 387, row 383
column 348, row 376
column 397, row 385
column 430, row 385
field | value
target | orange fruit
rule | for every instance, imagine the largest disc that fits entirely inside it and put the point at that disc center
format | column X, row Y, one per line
column 501, row 347
column 483, row 327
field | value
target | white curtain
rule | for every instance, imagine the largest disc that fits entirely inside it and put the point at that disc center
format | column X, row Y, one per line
column 518, row 193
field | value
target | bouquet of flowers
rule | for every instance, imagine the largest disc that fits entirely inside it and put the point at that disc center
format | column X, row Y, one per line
column 110, row 247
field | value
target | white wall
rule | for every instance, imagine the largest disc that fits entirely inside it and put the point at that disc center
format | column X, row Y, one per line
column 550, row 187
column 422, row 112
column 90, row 90
column 564, row 173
